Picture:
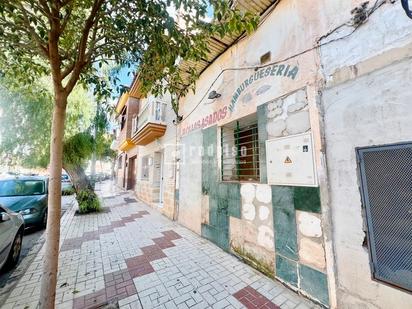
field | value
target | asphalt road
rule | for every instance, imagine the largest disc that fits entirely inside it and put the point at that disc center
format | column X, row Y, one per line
column 32, row 239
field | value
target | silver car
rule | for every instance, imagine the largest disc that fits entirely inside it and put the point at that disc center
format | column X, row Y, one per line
column 11, row 236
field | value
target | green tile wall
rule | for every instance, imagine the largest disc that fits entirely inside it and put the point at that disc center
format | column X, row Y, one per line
column 285, row 222
column 314, row 283
column 307, row 199
column 286, row 270
column 224, row 198
column 218, row 236
column 286, row 200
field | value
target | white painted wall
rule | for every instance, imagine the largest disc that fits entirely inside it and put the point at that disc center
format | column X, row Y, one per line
column 387, row 28
column 372, row 109
column 166, row 143
column 190, row 181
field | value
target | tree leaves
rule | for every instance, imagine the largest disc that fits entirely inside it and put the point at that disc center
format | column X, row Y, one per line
column 26, row 118
column 127, row 33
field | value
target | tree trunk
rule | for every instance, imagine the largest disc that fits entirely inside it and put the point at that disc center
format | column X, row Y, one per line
column 78, row 177
column 51, row 257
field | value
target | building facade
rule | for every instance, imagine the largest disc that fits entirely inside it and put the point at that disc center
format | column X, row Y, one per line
column 126, row 109
column 157, row 173
column 274, row 158
column 146, row 162
column 269, row 145
column 367, row 111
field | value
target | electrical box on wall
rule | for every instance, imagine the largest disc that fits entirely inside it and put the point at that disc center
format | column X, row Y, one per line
column 290, row 161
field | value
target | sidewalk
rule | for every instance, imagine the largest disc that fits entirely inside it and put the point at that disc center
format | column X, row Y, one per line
column 132, row 256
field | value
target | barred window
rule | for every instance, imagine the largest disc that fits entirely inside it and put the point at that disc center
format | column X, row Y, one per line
column 240, row 150
column 145, row 168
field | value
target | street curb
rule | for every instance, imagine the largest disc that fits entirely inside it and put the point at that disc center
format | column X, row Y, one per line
column 17, row 274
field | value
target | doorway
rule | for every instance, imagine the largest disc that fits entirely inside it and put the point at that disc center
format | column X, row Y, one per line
column 131, row 179
column 158, row 175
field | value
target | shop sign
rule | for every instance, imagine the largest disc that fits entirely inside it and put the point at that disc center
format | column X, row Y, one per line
column 206, row 121
column 280, row 70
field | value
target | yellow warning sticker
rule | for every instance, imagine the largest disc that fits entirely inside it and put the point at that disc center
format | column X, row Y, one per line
column 288, row 160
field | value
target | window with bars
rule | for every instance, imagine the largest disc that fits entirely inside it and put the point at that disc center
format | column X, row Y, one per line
column 145, row 168
column 240, row 150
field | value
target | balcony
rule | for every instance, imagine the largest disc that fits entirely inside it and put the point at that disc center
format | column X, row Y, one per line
column 150, row 123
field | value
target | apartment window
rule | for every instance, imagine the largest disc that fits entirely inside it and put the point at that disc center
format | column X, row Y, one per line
column 134, row 124
column 240, row 150
column 145, row 168
column 386, row 182
column 120, row 162
column 160, row 111
column 123, row 118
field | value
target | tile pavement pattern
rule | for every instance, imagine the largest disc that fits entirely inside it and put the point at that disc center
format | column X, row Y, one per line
column 251, row 298
column 119, row 284
column 76, row 243
column 137, row 258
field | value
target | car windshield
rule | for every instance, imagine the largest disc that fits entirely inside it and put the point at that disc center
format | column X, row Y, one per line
column 65, row 178
column 17, row 187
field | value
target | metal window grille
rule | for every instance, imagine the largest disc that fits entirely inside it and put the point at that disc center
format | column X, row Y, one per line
column 240, row 152
column 386, row 186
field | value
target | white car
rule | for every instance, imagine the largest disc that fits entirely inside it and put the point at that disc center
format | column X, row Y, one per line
column 11, row 237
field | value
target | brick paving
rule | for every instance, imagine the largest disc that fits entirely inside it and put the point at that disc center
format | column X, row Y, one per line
column 134, row 257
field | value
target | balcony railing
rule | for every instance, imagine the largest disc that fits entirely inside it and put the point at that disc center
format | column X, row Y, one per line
column 150, row 123
column 153, row 112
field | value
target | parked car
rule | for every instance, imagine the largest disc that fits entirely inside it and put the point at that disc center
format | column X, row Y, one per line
column 67, row 186
column 11, row 236
column 26, row 195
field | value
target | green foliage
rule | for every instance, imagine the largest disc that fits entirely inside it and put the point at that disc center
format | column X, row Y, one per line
column 25, row 120
column 77, row 149
column 70, row 191
column 88, row 201
column 103, row 150
column 25, row 123
column 86, row 36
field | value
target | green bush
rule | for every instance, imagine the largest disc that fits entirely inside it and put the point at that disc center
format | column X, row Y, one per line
column 88, row 201
column 70, row 191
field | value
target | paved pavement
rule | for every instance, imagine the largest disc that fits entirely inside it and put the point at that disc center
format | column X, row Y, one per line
column 32, row 242
column 130, row 256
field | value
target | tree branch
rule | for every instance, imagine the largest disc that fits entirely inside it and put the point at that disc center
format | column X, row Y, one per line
column 45, row 8
column 54, row 55
column 81, row 60
column 68, row 70
column 33, row 34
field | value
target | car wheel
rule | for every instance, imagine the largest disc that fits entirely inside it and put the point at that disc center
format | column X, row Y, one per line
column 44, row 220
column 14, row 253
